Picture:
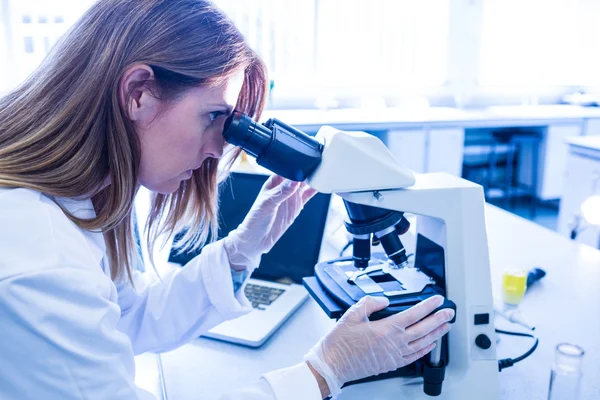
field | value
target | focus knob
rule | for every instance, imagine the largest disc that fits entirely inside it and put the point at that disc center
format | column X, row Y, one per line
column 483, row 342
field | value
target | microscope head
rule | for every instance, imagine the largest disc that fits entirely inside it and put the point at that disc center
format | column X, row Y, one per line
column 276, row 146
column 333, row 162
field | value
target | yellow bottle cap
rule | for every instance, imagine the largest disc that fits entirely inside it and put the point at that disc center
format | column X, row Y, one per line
column 514, row 283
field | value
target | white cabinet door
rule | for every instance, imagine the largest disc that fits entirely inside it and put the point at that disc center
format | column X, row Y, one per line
column 582, row 180
column 408, row 147
column 445, row 149
column 552, row 162
column 591, row 127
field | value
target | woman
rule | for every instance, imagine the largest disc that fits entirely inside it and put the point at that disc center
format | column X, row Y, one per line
column 136, row 93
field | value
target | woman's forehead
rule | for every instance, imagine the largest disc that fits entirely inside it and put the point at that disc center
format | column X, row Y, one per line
column 225, row 91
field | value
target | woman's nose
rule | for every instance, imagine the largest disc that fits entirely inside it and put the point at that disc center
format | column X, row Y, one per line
column 215, row 144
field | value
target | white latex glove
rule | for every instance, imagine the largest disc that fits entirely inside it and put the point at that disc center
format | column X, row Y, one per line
column 357, row 348
column 275, row 208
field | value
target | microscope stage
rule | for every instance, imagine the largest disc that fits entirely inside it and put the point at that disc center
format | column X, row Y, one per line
column 406, row 280
column 337, row 285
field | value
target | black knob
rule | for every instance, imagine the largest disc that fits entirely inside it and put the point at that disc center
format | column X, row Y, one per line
column 483, row 342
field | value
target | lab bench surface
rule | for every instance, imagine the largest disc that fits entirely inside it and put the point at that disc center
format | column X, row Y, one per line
column 564, row 306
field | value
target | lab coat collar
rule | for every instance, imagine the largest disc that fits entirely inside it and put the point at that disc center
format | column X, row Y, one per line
column 83, row 208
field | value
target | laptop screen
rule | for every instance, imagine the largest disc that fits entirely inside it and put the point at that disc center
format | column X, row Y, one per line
column 295, row 255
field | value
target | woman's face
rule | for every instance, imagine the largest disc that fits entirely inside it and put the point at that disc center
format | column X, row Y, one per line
column 176, row 140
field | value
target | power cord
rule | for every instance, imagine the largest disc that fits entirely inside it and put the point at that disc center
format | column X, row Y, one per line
column 350, row 243
column 509, row 362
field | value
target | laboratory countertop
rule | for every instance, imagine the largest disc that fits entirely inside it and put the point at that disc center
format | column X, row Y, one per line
column 389, row 118
column 586, row 142
column 564, row 306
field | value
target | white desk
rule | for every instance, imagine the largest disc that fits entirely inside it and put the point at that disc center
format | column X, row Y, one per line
column 565, row 306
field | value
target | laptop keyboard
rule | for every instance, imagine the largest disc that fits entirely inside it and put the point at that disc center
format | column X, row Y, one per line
column 261, row 296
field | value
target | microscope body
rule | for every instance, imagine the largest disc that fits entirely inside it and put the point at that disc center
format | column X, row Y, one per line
column 450, row 213
column 451, row 256
column 451, row 249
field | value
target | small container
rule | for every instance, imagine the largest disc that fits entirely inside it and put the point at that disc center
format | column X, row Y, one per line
column 565, row 379
column 514, row 284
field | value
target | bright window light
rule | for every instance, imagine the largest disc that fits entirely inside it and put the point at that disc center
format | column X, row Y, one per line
column 347, row 43
column 31, row 28
column 306, row 44
column 540, row 43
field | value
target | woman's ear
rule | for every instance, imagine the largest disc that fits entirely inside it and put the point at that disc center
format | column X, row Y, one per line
column 135, row 96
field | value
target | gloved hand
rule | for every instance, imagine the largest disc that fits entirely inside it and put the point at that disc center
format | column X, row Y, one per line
column 357, row 348
column 276, row 207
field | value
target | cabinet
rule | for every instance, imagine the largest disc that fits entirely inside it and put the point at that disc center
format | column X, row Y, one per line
column 591, row 126
column 442, row 149
column 409, row 147
column 434, row 150
column 445, row 148
column 582, row 179
column 552, row 160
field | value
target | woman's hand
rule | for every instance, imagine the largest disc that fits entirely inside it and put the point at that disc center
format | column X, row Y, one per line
column 274, row 210
column 358, row 348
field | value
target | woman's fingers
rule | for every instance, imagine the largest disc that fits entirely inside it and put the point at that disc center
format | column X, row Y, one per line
column 307, row 194
column 407, row 358
column 429, row 324
column 431, row 337
column 416, row 312
column 280, row 193
column 415, row 356
column 273, row 181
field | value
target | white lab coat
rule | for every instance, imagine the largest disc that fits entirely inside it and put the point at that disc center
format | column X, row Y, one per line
column 68, row 332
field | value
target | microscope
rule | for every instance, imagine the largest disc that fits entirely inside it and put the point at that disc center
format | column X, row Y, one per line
column 451, row 255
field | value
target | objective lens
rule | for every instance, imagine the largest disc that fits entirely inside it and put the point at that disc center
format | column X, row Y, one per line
column 361, row 253
column 394, row 248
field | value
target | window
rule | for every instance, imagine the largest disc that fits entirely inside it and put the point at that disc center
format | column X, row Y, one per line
column 347, row 43
column 310, row 44
column 31, row 28
column 540, row 43
column 352, row 48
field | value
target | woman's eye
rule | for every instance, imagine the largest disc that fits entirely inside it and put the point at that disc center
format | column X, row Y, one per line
column 216, row 114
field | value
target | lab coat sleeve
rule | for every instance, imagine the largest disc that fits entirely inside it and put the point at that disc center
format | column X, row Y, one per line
column 164, row 314
column 293, row 383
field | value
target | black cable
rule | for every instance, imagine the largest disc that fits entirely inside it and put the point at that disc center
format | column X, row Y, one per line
column 509, row 362
column 574, row 233
column 345, row 247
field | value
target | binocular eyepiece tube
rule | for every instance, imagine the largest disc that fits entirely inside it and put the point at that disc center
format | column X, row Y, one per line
column 276, row 146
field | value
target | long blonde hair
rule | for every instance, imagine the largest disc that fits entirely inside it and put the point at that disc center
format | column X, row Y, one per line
column 64, row 133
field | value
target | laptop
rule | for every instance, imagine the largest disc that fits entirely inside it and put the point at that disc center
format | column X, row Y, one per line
column 274, row 288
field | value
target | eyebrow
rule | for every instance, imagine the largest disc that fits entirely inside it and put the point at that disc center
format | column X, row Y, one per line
column 223, row 105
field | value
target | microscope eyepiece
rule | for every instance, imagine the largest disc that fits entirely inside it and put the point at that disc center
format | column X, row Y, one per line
column 276, row 146
column 240, row 130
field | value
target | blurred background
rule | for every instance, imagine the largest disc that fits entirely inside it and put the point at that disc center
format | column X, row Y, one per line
column 493, row 90
column 453, row 52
